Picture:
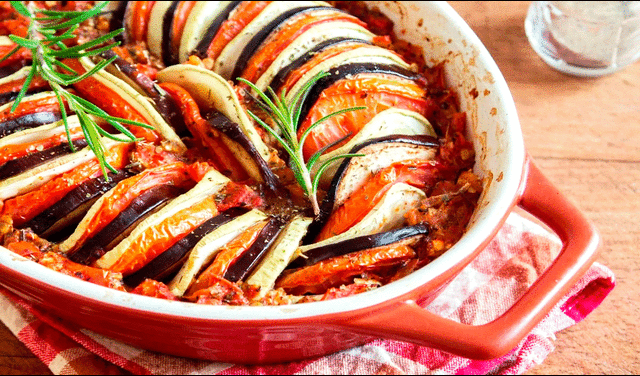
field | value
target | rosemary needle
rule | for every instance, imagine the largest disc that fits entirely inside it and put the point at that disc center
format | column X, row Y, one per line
column 286, row 117
column 47, row 32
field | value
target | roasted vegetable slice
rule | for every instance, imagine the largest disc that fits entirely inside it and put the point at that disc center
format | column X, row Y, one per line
column 341, row 270
column 171, row 259
column 136, row 19
column 33, row 111
column 209, row 247
column 11, row 85
column 160, row 231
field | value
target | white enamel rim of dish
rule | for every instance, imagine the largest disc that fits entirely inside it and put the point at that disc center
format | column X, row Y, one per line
column 493, row 212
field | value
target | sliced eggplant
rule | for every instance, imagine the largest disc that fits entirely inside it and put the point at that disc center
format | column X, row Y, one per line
column 203, row 23
column 34, row 178
column 213, row 93
column 408, row 234
column 280, row 255
column 115, row 12
column 359, row 59
column 122, row 225
column 244, row 150
column 209, row 246
column 248, row 261
column 140, row 103
column 171, row 259
column 394, row 121
column 271, row 33
column 307, row 46
column 67, row 210
column 14, row 124
column 387, row 215
column 212, row 183
column 144, row 85
column 159, row 26
column 242, row 46
column 35, row 159
column 347, row 71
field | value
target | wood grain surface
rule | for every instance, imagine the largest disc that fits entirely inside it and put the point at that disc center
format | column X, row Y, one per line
column 584, row 135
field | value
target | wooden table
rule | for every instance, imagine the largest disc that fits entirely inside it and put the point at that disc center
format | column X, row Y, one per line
column 585, row 136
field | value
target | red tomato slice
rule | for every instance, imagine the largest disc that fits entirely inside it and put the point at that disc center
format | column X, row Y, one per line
column 179, row 19
column 10, row 152
column 375, row 92
column 139, row 20
column 241, row 17
column 154, row 289
column 225, row 258
column 25, row 207
column 336, row 271
column 97, row 93
column 97, row 276
column 157, row 239
column 127, row 191
column 419, row 174
column 262, row 59
column 27, row 107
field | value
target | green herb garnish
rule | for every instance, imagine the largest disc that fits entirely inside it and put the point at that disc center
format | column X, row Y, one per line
column 286, row 117
column 46, row 35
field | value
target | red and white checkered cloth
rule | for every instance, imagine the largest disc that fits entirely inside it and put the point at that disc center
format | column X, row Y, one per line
column 484, row 290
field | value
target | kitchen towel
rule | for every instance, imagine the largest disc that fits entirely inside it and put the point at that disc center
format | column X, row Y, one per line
column 486, row 288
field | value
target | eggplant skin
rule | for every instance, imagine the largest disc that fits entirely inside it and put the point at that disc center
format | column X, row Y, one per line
column 28, row 121
column 85, row 192
column 244, row 266
column 202, row 47
column 360, row 243
column 344, row 72
column 233, row 131
column 328, row 203
column 139, row 208
column 171, row 259
column 31, row 160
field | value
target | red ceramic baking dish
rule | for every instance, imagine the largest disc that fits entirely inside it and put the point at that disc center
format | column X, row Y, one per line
column 285, row 333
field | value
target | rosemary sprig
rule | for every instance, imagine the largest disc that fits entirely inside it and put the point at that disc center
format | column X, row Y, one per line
column 46, row 35
column 286, row 117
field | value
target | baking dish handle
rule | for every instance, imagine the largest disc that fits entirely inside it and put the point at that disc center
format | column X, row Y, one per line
column 409, row 322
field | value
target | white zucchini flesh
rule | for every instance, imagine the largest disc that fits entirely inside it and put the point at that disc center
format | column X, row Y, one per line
column 140, row 103
column 393, row 121
column 387, row 215
column 36, row 177
column 280, row 255
column 197, row 25
column 226, row 62
column 309, row 39
column 209, row 246
column 212, row 92
column 210, row 184
column 155, row 29
column 364, row 54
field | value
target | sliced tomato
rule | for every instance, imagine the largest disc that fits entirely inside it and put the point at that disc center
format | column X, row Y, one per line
column 262, row 59
column 139, row 20
column 420, row 174
column 157, row 239
column 25, row 249
column 97, row 276
column 376, row 92
column 225, row 258
column 15, row 86
column 127, row 190
column 220, row 292
column 179, row 19
column 244, row 13
column 25, row 207
column 237, row 195
column 154, row 289
column 209, row 139
column 293, row 77
column 10, row 152
column 337, row 271
column 97, row 93
column 47, row 103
